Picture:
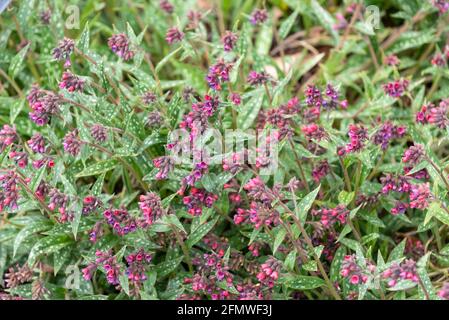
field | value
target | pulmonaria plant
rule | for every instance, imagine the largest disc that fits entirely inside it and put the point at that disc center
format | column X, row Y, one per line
column 245, row 151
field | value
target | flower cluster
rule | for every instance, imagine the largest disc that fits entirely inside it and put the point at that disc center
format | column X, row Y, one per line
column 388, row 132
column 71, row 82
column 151, row 207
column 119, row 44
column 109, row 264
column 329, row 217
column 351, row 269
column 269, row 271
column 121, row 221
column 397, row 88
column 64, row 50
column 137, row 265
column 403, row 271
column 357, row 136
column 44, row 105
column 218, row 74
column 197, row 199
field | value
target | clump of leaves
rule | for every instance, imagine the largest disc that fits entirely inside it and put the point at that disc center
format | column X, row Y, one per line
column 351, row 203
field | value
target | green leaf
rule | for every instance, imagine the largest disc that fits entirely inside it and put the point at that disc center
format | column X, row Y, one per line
column 98, row 185
column 200, row 232
column 324, row 18
column 59, row 258
column 305, row 204
column 48, row 245
column 421, row 267
column 99, row 167
column 17, row 61
column 37, row 178
column 83, row 42
column 290, row 260
column 77, row 212
column 250, row 111
column 398, row 252
column 336, row 263
column 345, row 197
column 166, row 59
column 124, row 282
column 29, row 230
column 435, row 210
column 287, row 24
column 280, row 236
column 304, row 283
column 165, row 268
column 16, row 109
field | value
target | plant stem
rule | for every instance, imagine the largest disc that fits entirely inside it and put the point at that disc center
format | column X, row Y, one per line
column 301, row 170
column 183, row 247
column 346, row 175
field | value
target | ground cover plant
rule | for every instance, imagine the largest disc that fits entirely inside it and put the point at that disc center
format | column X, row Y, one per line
column 336, row 186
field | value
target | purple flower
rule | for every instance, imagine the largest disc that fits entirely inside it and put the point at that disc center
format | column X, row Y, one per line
column 166, row 6
column 386, row 133
column 154, row 119
column 397, row 88
column 149, row 98
column 110, row 265
column 420, row 196
column 342, row 23
column 321, row 170
column 8, row 135
column 258, row 16
column 9, row 191
column 37, row 143
column 120, row 220
column 269, row 271
column 413, row 155
column 71, row 82
column 313, row 96
column 99, row 133
column 441, row 5
column 165, row 164
column 151, row 207
column 404, row 271
column 218, row 74
column 59, row 201
column 44, row 104
column 444, row 292
column 357, row 135
column 19, row 157
column 229, row 40
column 438, row 60
column 197, row 173
column 397, row 183
column 438, row 116
column 71, row 143
column 392, row 60
column 137, row 266
column 399, row 208
column 257, row 78
column 329, row 217
column 314, row 131
column 64, row 50
column 235, row 98
column 90, row 204
column 198, row 198
column 353, row 271
column 119, row 44
column 45, row 17
column 257, row 189
column 174, row 35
